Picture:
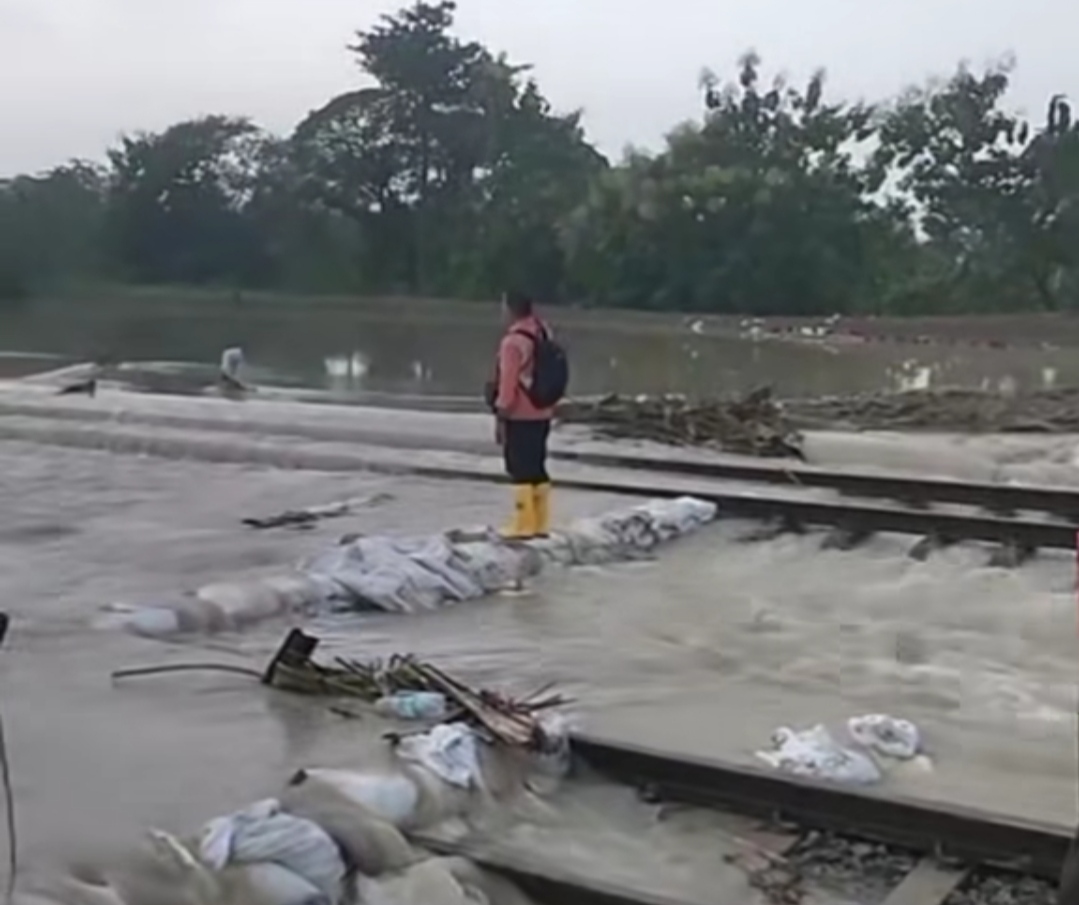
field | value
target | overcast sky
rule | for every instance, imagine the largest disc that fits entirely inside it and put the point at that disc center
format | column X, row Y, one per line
column 74, row 74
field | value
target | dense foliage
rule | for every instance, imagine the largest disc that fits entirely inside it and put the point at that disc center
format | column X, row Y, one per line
column 448, row 174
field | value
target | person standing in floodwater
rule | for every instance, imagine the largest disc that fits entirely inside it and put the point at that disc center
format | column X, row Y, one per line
column 531, row 376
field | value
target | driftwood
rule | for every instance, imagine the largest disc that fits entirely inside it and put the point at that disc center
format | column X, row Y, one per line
column 952, row 409
column 501, row 718
column 505, row 719
column 755, row 425
column 306, row 518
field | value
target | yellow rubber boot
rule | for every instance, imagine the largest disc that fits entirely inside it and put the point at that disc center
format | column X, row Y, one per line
column 541, row 504
column 523, row 524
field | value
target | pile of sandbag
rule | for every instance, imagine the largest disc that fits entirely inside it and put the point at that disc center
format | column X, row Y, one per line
column 417, row 574
column 331, row 837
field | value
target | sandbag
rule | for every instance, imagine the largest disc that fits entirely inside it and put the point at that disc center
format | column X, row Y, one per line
column 449, row 751
column 425, row 883
column 481, row 884
column 271, row 884
column 387, row 794
column 368, row 843
column 263, row 833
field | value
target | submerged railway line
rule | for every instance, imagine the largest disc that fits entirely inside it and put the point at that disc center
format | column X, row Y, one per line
column 853, row 504
column 775, row 815
column 778, row 813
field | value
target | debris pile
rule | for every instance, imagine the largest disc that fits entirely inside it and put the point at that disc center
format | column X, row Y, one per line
column 342, row 836
column 309, row 516
column 952, row 409
column 401, row 681
column 754, row 425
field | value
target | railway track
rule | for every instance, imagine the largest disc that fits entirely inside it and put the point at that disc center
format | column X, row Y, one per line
column 944, row 845
column 999, row 499
column 786, row 498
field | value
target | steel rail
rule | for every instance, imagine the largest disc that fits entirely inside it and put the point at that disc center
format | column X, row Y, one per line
column 795, row 513
column 999, row 498
column 967, row 834
column 857, row 518
column 546, row 883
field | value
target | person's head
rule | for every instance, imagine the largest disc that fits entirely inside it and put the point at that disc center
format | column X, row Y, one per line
column 516, row 305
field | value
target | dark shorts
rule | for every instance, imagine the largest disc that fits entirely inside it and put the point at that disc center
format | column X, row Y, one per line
column 525, row 451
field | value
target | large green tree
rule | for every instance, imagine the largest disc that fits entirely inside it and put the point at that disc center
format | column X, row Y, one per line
column 994, row 197
column 50, row 228
column 178, row 203
column 446, row 171
column 760, row 207
column 451, row 162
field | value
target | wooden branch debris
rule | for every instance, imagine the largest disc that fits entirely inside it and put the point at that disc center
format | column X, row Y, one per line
column 506, row 720
column 307, row 517
column 755, row 424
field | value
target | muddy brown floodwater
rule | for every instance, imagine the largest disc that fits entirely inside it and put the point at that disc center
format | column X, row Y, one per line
column 705, row 650
column 432, row 347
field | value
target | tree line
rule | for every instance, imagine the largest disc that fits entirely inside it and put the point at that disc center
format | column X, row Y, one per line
column 450, row 174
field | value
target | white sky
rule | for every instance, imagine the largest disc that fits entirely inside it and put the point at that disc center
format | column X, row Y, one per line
column 74, row 74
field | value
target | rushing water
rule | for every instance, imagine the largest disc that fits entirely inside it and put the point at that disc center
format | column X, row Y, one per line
column 705, row 649
column 446, row 350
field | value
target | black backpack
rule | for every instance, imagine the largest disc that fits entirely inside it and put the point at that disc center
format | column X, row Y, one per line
column 550, row 370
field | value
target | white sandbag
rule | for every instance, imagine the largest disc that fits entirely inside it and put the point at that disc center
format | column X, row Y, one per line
column 495, row 565
column 147, row 622
column 447, row 750
column 417, row 574
column 273, row 884
column 216, row 836
column 263, row 833
column 426, row 883
column 886, row 735
column 555, row 549
column 480, row 884
column 814, row 754
column 161, row 871
column 390, row 795
column 368, row 843
column 397, row 574
column 245, row 603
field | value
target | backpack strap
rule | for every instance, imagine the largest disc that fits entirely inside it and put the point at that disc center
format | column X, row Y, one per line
column 544, row 334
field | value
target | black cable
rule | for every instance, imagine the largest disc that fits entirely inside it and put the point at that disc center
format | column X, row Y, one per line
column 9, row 807
column 9, row 795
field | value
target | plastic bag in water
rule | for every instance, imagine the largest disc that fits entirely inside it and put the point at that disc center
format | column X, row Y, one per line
column 413, row 705
column 886, row 735
column 447, row 751
column 814, row 754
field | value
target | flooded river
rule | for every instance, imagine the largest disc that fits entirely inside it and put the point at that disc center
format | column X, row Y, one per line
column 706, row 649
column 444, row 348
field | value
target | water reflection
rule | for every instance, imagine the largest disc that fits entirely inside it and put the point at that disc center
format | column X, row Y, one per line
column 397, row 350
column 912, row 375
column 346, row 372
